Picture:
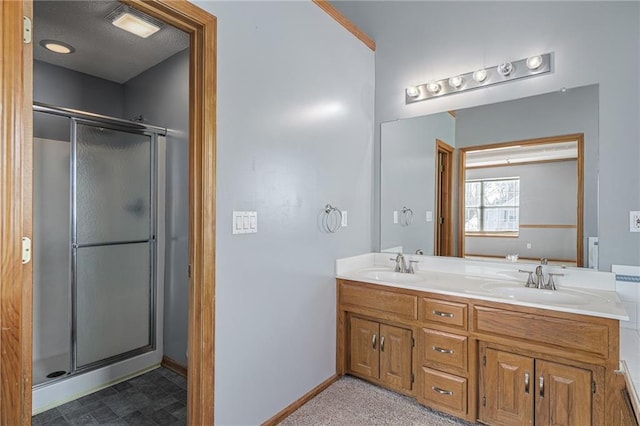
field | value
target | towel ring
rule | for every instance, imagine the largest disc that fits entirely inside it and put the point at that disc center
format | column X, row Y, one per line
column 406, row 216
column 332, row 219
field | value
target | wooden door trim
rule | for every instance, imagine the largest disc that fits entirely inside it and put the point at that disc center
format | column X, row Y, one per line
column 341, row 19
column 443, row 147
column 15, row 197
column 578, row 137
column 202, row 191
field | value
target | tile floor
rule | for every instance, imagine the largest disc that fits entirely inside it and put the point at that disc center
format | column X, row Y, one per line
column 158, row 397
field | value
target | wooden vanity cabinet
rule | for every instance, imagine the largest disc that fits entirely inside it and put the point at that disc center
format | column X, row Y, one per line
column 498, row 363
column 381, row 352
column 520, row 390
column 443, row 357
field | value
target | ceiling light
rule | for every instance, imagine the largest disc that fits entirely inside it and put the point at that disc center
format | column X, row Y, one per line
column 134, row 21
column 413, row 91
column 505, row 69
column 456, row 81
column 434, row 87
column 534, row 62
column 480, row 76
column 57, row 46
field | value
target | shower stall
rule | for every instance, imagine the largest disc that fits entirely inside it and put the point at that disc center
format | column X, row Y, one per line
column 98, row 252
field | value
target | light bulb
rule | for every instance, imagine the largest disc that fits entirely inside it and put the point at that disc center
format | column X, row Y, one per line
column 480, row 76
column 456, row 81
column 505, row 69
column 412, row 91
column 434, row 87
column 534, row 62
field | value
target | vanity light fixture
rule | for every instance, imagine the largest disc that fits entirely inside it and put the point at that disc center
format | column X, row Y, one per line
column 434, row 88
column 57, row 46
column 413, row 91
column 480, row 76
column 534, row 62
column 456, row 81
column 134, row 21
column 506, row 71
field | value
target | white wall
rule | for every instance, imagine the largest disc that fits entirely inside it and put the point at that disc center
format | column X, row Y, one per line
column 295, row 132
column 593, row 42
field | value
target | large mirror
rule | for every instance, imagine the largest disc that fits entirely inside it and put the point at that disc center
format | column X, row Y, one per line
column 516, row 180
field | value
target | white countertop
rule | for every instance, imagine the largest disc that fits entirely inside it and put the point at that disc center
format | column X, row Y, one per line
column 585, row 292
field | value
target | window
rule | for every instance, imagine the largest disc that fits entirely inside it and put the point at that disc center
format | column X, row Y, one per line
column 492, row 205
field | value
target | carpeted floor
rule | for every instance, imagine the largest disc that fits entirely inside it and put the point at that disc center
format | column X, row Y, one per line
column 354, row 402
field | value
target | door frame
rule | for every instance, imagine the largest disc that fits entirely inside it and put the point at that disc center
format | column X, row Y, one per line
column 444, row 205
column 16, row 281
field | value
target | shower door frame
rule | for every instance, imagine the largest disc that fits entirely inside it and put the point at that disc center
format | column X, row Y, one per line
column 152, row 132
column 16, row 191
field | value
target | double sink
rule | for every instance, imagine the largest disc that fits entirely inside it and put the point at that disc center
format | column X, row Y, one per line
column 500, row 289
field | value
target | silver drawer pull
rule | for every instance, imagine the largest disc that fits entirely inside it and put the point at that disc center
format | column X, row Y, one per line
column 442, row 350
column 442, row 391
column 443, row 314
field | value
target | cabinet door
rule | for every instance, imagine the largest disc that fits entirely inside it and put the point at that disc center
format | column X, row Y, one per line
column 506, row 388
column 563, row 395
column 395, row 357
column 364, row 339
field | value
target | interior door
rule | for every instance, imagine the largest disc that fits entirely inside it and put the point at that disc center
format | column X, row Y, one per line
column 506, row 388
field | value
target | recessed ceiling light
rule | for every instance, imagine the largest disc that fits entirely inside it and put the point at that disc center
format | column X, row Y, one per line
column 134, row 21
column 57, row 46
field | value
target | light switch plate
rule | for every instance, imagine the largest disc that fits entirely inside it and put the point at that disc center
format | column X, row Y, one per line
column 634, row 221
column 245, row 222
column 395, row 216
column 429, row 216
column 344, row 219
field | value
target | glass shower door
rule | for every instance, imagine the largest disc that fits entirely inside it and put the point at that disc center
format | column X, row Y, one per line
column 113, row 243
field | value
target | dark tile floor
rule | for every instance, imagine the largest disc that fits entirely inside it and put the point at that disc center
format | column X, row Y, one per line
column 158, row 397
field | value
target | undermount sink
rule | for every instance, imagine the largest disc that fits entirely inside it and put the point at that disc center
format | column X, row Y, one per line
column 534, row 295
column 391, row 276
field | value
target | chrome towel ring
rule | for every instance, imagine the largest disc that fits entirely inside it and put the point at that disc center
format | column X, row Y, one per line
column 332, row 219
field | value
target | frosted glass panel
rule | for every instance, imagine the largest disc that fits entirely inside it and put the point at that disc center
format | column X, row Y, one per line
column 113, row 178
column 51, row 235
column 113, row 299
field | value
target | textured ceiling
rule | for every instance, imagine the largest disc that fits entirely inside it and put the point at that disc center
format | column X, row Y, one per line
column 102, row 50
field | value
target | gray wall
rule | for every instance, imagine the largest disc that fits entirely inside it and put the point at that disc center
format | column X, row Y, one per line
column 63, row 87
column 295, row 129
column 551, row 114
column 161, row 96
column 547, row 197
column 409, row 178
column 461, row 36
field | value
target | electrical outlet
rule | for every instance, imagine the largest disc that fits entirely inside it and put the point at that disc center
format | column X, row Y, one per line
column 528, row 245
column 634, row 221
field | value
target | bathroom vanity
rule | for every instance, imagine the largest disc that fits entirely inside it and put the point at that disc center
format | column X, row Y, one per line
column 463, row 338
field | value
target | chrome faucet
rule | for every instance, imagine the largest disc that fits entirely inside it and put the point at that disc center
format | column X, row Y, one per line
column 538, row 281
column 401, row 265
column 540, row 277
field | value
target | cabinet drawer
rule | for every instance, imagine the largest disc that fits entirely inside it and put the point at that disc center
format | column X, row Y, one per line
column 565, row 333
column 444, row 391
column 444, row 349
column 398, row 304
column 439, row 311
